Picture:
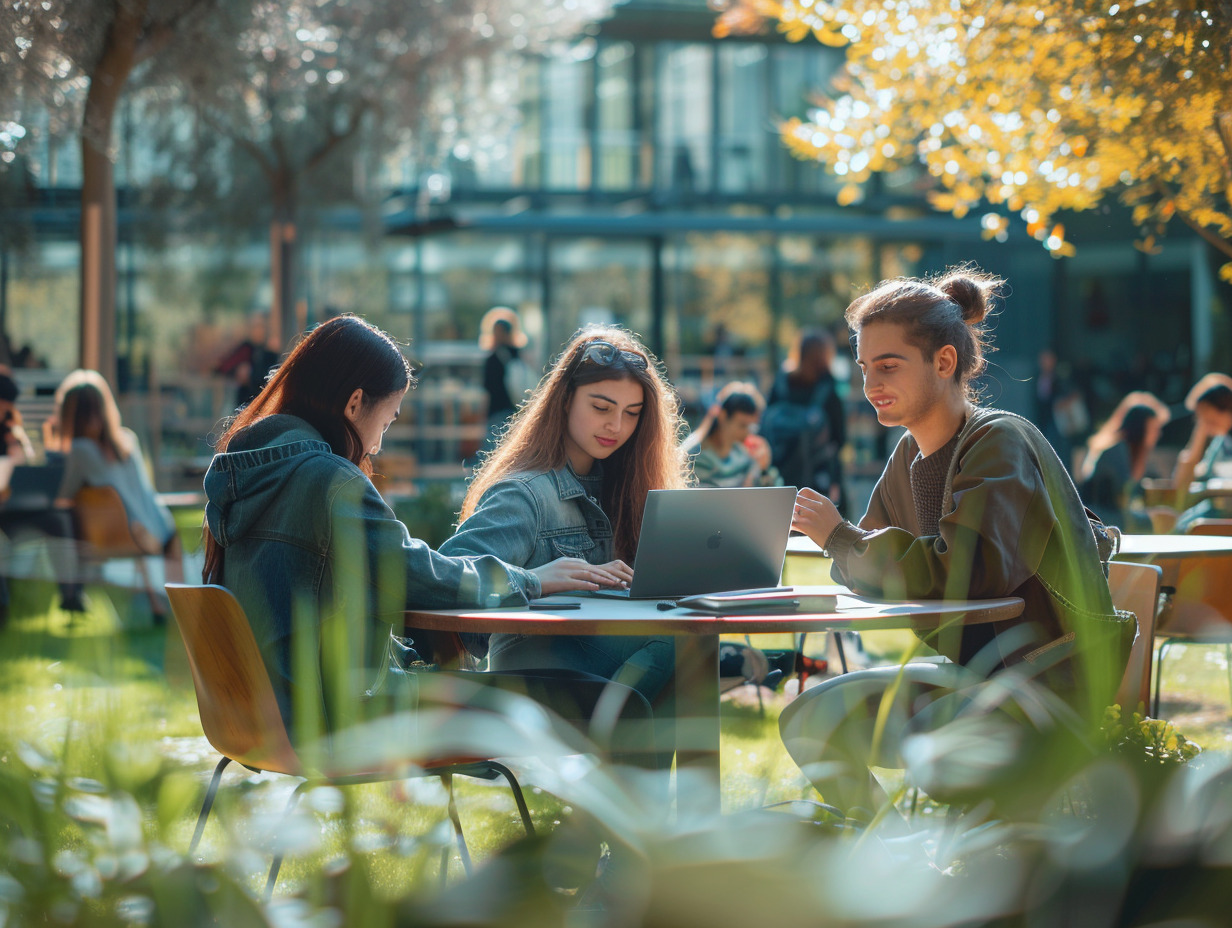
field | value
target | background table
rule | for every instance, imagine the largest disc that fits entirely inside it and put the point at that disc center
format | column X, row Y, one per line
column 697, row 646
column 1171, row 552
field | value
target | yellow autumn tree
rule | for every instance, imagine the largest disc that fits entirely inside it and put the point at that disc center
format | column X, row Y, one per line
column 1032, row 107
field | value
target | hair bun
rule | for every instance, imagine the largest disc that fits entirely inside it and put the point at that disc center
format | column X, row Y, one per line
column 972, row 291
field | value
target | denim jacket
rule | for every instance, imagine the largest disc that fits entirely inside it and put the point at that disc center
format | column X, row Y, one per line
column 530, row 519
column 308, row 539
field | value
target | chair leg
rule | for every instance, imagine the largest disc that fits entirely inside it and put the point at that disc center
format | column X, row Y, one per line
column 516, row 788
column 277, row 863
column 463, row 851
column 842, row 655
column 1159, row 675
column 208, row 804
column 155, row 605
column 1227, row 666
column 761, row 704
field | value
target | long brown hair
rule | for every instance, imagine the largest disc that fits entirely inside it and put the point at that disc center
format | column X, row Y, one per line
column 1127, row 423
column 314, row 383
column 88, row 410
column 650, row 460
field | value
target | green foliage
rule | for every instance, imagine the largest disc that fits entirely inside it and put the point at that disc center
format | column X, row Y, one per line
column 1150, row 740
column 101, row 779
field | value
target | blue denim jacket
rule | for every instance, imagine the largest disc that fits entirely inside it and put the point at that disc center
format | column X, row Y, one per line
column 308, row 539
column 532, row 518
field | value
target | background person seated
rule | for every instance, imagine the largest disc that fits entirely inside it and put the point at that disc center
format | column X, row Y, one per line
column 1110, row 478
column 1208, row 452
column 19, row 523
column 99, row 451
column 725, row 449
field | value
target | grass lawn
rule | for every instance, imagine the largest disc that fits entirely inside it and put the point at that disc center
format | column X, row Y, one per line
column 105, row 696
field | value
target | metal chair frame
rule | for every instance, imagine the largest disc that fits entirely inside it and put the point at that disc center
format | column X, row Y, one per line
column 1223, row 608
column 241, row 719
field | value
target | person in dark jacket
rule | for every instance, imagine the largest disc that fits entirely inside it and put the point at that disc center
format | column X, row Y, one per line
column 804, row 420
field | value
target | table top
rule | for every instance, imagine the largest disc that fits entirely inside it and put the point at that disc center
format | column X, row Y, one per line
column 1132, row 546
column 1172, row 546
column 598, row 616
column 802, row 544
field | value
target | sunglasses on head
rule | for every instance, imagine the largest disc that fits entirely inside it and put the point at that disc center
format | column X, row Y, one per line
column 605, row 354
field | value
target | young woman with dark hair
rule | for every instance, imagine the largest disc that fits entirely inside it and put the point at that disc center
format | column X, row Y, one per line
column 571, row 477
column 296, row 530
column 1110, row 479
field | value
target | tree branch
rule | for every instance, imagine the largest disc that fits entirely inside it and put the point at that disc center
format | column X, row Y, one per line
column 334, row 139
column 1219, row 243
column 160, row 35
column 1223, row 129
column 252, row 148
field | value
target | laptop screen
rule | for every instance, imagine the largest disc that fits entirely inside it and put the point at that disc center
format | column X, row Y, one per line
column 711, row 539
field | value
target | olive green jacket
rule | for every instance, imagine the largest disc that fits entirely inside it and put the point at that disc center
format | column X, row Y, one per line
column 1011, row 524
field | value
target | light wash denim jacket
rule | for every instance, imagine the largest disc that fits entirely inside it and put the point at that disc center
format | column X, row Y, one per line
column 308, row 539
column 532, row 518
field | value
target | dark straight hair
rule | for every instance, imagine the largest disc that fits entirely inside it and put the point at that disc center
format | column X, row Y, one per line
column 315, row 382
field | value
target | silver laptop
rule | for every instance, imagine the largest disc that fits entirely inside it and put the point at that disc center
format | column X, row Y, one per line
column 709, row 540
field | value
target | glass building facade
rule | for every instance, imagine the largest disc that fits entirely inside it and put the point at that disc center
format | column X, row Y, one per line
column 643, row 182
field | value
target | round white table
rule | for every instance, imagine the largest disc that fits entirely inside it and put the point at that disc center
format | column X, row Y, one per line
column 697, row 646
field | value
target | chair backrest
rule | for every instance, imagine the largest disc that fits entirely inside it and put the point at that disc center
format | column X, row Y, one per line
column 1210, row 527
column 1135, row 588
column 235, row 698
column 102, row 523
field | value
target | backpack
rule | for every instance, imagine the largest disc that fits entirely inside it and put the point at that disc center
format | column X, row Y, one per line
column 797, row 434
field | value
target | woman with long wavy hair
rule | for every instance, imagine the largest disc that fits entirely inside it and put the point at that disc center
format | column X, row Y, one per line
column 570, row 478
column 1110, row 478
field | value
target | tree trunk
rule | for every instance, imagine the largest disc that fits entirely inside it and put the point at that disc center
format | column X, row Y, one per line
column 98, row 250
column 284, row 323
column 97, row 345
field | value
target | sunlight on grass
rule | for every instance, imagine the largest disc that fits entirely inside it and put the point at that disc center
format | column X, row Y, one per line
column 104, row 696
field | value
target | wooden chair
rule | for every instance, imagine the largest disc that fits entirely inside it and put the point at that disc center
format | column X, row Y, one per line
column 1135, row 588
column 104, row 533
column 240, row 715
column 1201, row 606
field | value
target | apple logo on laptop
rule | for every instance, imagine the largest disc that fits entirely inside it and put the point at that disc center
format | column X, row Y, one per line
column 714, row 540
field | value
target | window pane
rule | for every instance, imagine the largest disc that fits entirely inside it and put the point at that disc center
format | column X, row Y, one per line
column 597, row 280
column 746, row 131
column 616, row 106
column 684, row 88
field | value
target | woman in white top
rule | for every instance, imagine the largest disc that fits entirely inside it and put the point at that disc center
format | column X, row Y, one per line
column 99, row 451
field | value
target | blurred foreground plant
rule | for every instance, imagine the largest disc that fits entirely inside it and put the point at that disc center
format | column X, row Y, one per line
column 1154, row 740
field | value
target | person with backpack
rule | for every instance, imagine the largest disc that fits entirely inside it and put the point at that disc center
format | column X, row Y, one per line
column 804, row 420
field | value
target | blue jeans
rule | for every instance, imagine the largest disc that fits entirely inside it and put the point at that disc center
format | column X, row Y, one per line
column 645, row 664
